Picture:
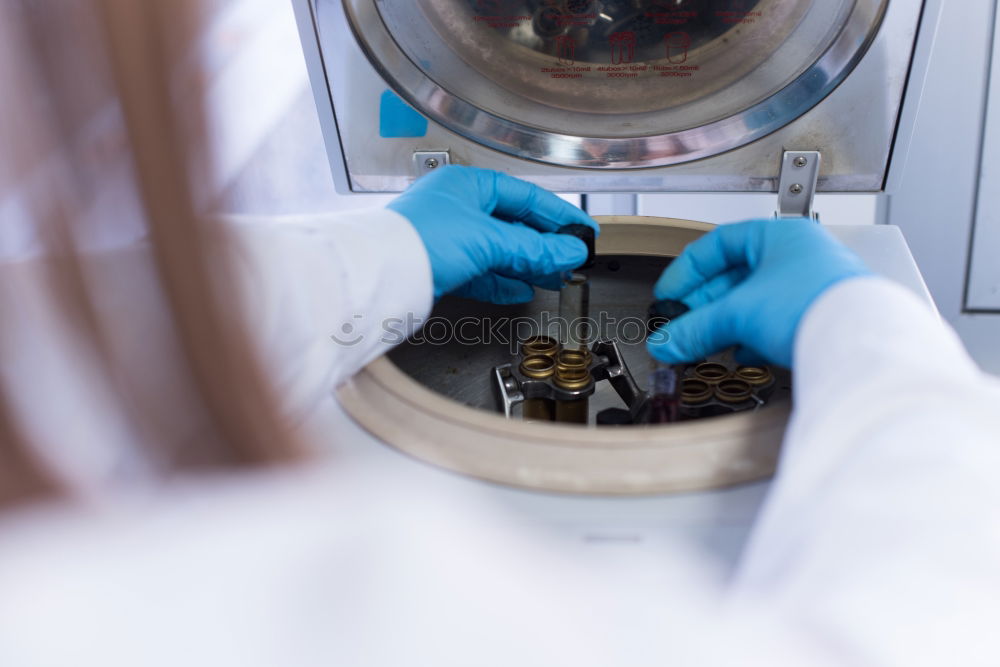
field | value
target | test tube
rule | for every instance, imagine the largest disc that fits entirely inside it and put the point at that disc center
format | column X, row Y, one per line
column 574, row 313
column 665, row 404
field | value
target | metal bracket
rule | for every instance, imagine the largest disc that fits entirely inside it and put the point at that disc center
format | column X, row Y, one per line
column 511, row 388
column 618, row 374
column 797, row 184
column 424, row 162
column 506, row 389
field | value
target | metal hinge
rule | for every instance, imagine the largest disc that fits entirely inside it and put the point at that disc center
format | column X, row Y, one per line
column 797, row 184
column 424, row 162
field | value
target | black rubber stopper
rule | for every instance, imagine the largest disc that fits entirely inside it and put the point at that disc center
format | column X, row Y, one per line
column 586, row 234
column 614, row 417
column 661, row 312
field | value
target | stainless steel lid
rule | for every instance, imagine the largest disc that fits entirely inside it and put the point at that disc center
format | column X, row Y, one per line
column 614, row 83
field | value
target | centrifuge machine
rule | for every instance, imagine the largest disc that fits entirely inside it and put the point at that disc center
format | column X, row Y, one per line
column 790, row 97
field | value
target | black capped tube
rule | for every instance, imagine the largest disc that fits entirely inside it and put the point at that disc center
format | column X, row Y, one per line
column 663, row 311
column 586, row 234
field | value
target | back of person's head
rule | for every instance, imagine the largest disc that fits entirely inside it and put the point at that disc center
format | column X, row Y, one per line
column 105, row 146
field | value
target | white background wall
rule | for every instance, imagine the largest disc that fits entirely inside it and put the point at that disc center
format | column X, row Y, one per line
column 934, row 192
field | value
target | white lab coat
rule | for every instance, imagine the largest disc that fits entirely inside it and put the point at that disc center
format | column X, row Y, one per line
column 879, row 542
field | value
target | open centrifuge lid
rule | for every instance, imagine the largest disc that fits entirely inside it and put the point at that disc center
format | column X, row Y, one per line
column 614, row 83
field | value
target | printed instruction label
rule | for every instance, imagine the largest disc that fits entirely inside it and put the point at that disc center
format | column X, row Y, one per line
column 674, row 17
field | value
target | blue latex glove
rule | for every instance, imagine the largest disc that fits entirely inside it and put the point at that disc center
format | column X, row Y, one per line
column 489, row 235
column 749, row 284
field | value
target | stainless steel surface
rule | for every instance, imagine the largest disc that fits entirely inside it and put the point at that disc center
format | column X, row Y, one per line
column 493, row 83
column 853, row 126
column 797, row 184
column 424, row 162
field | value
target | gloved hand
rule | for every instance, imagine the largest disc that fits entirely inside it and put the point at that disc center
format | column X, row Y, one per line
column 749, row 284
column 489, row 235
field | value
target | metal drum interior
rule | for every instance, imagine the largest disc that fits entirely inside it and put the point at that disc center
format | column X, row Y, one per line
column 432, row 397
column 464, row 339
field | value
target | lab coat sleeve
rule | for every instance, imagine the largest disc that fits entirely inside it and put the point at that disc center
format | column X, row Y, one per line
column 328, row 294
column 880, row 540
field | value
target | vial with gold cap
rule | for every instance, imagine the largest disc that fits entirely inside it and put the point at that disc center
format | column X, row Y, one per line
column 572, row 374
column 538, row 367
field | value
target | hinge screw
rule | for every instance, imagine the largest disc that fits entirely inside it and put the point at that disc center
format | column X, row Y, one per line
column 800, row 161
column 431, row 163
column 795, row 189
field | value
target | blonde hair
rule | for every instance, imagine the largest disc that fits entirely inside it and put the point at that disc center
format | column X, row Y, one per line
column 59, row 63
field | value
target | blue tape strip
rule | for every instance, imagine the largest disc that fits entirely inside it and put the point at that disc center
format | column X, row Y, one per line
column 397, row 119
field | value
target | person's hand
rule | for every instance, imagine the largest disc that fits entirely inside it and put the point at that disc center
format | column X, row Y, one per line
column 491, row 236
column 749, row 284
